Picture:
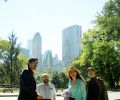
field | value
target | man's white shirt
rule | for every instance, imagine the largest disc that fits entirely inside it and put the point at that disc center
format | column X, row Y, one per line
column 46, row 91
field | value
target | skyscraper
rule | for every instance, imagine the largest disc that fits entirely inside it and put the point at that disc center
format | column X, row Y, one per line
column 25, row 52
column 29, row 47
column 47, row 60
column 70, row 43
column 37, row 48
column 58, row 65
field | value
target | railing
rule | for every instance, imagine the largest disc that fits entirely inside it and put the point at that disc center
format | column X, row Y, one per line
column 7, row 88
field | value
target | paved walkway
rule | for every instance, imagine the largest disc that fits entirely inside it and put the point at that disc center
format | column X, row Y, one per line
column 15, row 98
column 113, row 95
column 4, row 96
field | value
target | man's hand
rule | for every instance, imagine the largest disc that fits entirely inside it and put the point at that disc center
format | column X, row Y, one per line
column 39, row 97
column 54, row 98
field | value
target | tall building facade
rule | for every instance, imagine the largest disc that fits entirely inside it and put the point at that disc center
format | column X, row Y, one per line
column 47, row 59
column 29, row 47
column 25, row 52
column 70, row 43
column 37, row 48
column 58, row 65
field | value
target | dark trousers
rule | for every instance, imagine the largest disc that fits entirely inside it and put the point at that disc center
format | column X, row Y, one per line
column 45, row 99
column 71, row 98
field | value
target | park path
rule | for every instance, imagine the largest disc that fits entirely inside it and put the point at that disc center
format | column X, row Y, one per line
column 13, row 96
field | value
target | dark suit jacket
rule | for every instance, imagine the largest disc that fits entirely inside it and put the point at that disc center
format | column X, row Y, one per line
column 27, row 86
column 96, row 90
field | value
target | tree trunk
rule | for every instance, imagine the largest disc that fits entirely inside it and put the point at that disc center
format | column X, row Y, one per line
column 111, row 81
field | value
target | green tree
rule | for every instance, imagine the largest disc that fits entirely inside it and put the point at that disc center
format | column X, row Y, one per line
column 59, row 79
column 56, row 80
column 10, row 57
column 4, row 45
column 108, row 26
column 64, row 80
column 11, row 62
column 101, row 45
column 21, row 63
column 106, row 59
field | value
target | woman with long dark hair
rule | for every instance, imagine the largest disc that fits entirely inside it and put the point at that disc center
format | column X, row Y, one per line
column 76, row 86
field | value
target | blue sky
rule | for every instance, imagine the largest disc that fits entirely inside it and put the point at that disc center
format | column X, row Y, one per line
column 49, row 17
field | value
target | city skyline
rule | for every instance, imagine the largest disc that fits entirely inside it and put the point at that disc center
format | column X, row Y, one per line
column 49, row 17
column 71, row 43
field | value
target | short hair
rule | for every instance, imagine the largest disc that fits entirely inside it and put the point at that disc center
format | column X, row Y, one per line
column 91, row 68
column 45, row 74
column 32, row 60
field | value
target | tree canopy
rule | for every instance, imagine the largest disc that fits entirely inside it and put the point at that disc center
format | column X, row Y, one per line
column 101, row 45
column 11, row 61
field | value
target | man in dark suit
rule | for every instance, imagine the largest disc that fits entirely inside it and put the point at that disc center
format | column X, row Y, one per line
column 28, row 83
column 95, row 87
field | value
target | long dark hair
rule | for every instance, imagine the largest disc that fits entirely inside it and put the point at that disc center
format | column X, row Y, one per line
column 31, row 60
column 78, row 76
